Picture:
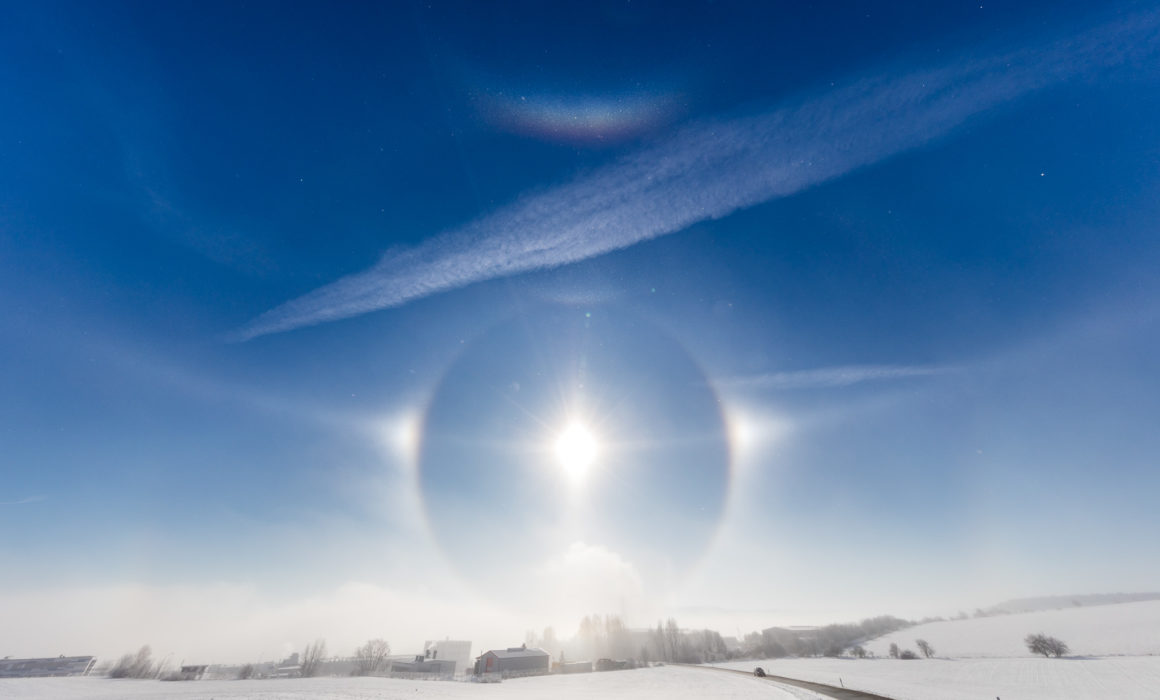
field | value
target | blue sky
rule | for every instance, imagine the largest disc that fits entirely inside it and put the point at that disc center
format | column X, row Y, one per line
column 288, row 293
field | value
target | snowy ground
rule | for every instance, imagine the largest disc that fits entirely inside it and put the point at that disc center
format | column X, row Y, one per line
column 1119, row 677
column 1116, row 652
column 663, row 683
column 1129, row 629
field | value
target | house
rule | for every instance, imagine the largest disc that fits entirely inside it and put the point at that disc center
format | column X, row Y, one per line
column 192, row 673
column 58, row 666
column 613, row 664
column 424, row 665
column 513, row 661
column 286, row 671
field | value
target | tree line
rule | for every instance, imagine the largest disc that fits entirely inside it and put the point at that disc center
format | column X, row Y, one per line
column 831, row 640
column 608, row 637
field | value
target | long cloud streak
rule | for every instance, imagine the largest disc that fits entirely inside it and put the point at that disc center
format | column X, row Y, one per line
column 22, row 501
column 832, row 377
column 710, row 169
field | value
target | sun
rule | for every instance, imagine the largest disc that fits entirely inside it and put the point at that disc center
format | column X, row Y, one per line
column 576, row 449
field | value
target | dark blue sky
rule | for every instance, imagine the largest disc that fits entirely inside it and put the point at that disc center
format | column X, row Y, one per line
column 897, row 260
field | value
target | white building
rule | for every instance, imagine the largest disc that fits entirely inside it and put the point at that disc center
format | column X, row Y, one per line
column 453, row 650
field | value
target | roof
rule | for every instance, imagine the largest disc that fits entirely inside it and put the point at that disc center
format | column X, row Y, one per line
column 515, row 653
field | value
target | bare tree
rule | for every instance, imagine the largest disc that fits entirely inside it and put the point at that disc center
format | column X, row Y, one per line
column 925, row 647
column 893, row 651
column 370, row 657
column 1057, row 647
column 591, row 636
column 657, row 637
column 859, row 651
column 312, row 657
column 620, row 642
column 246, row 672
column 674, row 641
column 135, row 666
column 548, row 642
column 1048, row 646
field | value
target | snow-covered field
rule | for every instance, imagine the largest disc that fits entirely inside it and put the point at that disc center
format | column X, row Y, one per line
column 662, row 683
column 1126, row 629
column 1119, row 677
column 1115, row 648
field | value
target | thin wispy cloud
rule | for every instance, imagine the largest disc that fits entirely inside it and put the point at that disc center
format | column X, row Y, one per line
column 22, row 501
column 831, row 377
column 710, row 169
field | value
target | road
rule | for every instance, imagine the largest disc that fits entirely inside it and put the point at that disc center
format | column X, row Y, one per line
column 830, row 691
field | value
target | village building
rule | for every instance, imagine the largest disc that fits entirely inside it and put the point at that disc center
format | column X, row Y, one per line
column 54, row 666
column 513, row 661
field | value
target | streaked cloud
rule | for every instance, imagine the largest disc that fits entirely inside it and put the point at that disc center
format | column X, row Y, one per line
column 709, row 169
column 831, row 377
column 22, row 501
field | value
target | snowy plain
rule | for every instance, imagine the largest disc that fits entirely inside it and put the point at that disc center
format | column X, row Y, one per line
column 1115, row 654
column 660, row 683
column 1119, row 677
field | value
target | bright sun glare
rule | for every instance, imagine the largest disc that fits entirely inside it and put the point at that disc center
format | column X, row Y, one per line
column 576, row 449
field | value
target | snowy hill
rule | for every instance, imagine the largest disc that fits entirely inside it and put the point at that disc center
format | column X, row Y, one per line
column 1022, row 605
column 1115, row 650
column 1131, row 629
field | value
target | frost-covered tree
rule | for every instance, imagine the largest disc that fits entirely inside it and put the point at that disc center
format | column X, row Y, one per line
column 370, row 657
column 674, row 641
column 1048, row 646
column 312, row 658
column 139, row 665
column 925, row 647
